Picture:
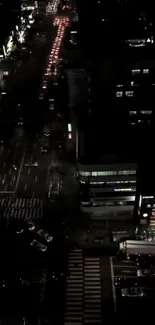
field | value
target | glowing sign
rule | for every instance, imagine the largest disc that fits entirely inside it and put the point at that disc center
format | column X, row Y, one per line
column 69, row 127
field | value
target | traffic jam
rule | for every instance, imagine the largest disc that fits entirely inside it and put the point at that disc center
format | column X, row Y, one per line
column 54, row 56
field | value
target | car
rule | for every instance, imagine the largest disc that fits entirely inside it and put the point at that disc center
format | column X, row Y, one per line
column 30, row 225
column 99, row 240
column 32, row 164
column 43, row 234
column 14, row 167
column 39, row 246
column 44, row 149
column 132, row 292
column 145, row 272
column 3, row 284
column 144, row 262
column 20, row 122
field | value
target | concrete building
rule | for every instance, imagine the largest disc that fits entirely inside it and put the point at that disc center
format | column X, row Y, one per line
column 108, row 191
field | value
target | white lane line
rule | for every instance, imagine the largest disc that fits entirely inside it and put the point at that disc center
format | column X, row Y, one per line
column 36, row 179
column 20, row 170
column 6, row 192
column 3, row 181
column 25, row 187
column 113, row 284
column 124, row 266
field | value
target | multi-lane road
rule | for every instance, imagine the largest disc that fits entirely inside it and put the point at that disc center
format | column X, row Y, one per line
column 17, row 178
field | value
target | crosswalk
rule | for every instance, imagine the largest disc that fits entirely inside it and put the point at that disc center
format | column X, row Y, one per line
column 83, row 290
column 92, row 291
column 21, row 208
column 74, row 289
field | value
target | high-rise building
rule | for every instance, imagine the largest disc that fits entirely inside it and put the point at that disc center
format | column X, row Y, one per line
column 118, row 122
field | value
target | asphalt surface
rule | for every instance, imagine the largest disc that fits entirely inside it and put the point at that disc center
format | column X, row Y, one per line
column 126, row 307
column 22, row 193
column 11, row 156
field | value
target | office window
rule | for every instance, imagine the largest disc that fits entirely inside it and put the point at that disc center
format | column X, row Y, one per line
column 145, row 71
column 119, row 93
column 146, row 112
column 81, row 173
column 132, row 112
column 127, row 172
column 136, row 71
column 129, row 93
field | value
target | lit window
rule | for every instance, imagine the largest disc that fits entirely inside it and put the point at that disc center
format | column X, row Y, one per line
column 84, row 173
column 124, row 189
column 129, row 93
column 119, row 93
column 127, row 172
column 146, row 112
column 135, row 71
column 133, row 112
column 145, row 71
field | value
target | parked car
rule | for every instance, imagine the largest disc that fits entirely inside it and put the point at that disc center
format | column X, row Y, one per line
column 132, row 292
column 145, row 272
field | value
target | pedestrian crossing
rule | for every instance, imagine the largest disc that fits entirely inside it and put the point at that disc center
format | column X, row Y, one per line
column 21, row 208
column 83, row 290
column 74, row 289
column 92, row 291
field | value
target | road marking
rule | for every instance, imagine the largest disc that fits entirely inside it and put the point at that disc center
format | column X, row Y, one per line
column 124, row 266
column 3, row 181
column 36, row 179
column 6, row 192
column 25, row 187
column 113, row 284
column 126, row 276
column 20, row 170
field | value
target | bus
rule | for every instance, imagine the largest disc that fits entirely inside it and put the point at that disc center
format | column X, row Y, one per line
column 137, row 247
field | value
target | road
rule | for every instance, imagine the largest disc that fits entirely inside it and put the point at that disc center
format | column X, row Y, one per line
column 11, row 158
column 33, row 180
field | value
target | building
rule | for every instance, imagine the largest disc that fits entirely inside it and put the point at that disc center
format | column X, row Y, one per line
column 108, row 190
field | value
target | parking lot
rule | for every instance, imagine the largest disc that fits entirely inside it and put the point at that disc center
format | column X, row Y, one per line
column 125, row 272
